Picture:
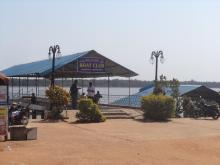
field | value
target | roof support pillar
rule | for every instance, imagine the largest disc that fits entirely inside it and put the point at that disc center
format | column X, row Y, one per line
column 62, row 81
column 36, row 86
column 12, row 88
column 82, row 81
column 108, row 88
column 27, row 84
column 19, row 87
column 129, row 90
column 45, row 83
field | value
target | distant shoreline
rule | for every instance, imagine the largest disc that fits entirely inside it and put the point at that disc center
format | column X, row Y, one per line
column 104, row 83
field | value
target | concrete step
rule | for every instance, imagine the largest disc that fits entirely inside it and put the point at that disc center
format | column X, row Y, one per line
column 111, row 110
column 118, row 117
column 113, row 113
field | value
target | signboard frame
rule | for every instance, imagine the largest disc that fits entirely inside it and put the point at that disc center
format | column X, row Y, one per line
column 91, row 65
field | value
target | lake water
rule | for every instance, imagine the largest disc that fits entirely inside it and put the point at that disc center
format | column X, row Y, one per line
column 103, row 90
column 117, row 91
column 114, row 93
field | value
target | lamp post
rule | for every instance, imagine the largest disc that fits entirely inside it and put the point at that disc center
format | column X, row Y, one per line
column 56, row 53
column 156, row 55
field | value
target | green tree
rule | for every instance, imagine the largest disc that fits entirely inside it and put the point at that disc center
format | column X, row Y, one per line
column 160, row 86
column 58, row 97
column 174, row 86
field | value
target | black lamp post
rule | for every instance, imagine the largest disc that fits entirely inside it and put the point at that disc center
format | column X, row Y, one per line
column 56, row 53
column 156, row 55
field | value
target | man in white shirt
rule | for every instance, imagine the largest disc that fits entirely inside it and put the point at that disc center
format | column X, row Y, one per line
column 90, row 91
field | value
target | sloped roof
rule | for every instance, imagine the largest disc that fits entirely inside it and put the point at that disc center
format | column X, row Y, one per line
column 135, row 99
column 66, row 66
column 205, row 93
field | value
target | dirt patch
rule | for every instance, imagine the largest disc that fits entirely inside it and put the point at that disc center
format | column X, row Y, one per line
column 180, row 141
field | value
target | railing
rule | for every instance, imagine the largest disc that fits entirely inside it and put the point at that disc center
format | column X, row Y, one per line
column 117, row 100
column 16, row 93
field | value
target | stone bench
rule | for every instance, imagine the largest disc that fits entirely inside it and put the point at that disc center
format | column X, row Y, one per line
column 21, row 132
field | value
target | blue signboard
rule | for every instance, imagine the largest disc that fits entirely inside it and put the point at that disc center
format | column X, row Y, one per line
column 91, row 65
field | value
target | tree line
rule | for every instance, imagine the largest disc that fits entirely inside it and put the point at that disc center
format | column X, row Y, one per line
column 102, row 82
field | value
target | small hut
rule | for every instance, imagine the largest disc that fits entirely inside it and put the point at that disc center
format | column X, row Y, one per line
column 204, row 92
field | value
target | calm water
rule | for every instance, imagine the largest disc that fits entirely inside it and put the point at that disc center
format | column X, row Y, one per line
column 103, row 90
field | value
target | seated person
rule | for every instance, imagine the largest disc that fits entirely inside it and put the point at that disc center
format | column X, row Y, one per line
column 11, row 110
column 97, row 97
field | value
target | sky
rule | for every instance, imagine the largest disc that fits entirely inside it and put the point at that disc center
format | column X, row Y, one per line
column 126, row 31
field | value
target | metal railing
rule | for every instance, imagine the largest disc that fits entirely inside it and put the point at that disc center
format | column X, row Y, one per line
column 117, row 100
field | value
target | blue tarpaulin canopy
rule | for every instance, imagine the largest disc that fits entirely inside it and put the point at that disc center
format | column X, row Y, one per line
column 135, row 99
column 68, row 67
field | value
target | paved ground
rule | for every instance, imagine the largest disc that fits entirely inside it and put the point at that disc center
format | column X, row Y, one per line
column 178, row 142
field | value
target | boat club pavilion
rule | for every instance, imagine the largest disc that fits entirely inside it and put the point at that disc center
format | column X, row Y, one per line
column 88, row 64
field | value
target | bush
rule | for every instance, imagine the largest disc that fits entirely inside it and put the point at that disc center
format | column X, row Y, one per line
column 158, row 107
column 188, row 107
column 58, row 98
column 89, row 112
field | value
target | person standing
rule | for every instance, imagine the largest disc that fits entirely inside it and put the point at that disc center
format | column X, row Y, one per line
column 34, row 101
column 90, row 91
column 74, row 94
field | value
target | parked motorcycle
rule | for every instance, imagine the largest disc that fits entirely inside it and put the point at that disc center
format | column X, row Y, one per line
column 18, row 115
column 204, row 110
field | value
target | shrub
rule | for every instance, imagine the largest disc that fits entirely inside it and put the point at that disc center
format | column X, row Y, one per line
column 188, row 107
column 58, row 97
column 89, row 112
column 158, row 107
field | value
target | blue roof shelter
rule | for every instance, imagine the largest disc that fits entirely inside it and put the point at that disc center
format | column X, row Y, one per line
column 68, row 67
column 88, row 64
column 185, row 90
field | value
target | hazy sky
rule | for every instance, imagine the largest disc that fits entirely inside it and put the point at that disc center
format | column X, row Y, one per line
column 127, row 31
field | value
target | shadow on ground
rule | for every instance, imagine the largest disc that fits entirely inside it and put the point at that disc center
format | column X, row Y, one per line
column 48, row 121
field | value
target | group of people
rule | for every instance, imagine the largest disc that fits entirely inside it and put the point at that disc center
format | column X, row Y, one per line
column 74, row 93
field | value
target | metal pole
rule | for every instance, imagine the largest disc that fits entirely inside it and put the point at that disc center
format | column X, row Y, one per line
column 45, row 83
column 36, row 86
column 53, row 65
column 82, row 85
column 108, row 89
column 27, row 85
column 22, row 92
column 62, row 82
column 19, row 87
column 156, row 68
column 12, row 88
column 129, row 84
column 8, row 94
